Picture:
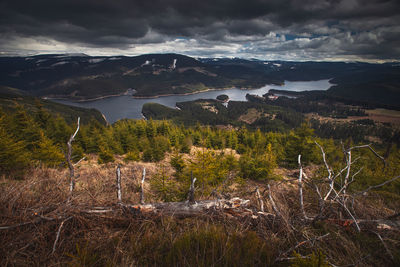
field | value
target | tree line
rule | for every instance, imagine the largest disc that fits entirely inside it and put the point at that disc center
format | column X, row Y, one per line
column 39, row 138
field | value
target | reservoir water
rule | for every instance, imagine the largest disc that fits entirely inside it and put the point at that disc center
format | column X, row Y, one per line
column 120, row 107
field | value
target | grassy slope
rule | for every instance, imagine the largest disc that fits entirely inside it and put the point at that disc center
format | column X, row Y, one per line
column 122, row 238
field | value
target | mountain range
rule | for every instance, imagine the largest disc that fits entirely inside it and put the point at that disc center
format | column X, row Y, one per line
column 82, row 77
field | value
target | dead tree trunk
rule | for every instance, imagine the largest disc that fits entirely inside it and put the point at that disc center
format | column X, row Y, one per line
column 191, row 190
column 70, row 165
column 260, row 202
column 142, row 187
column 234, row 207
column 119, row 193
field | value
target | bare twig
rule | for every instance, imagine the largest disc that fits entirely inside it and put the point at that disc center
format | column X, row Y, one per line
column 58, row 234
column 377, row 186
column 79, row 161
column 370, row 148
column 324, row 159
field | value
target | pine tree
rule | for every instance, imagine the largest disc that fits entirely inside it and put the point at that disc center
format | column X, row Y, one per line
column 14, row 158
column 47, row 153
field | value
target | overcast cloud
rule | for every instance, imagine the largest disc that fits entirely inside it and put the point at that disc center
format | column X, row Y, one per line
column 367, row 30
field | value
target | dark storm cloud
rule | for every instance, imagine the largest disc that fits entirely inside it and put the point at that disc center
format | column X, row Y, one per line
column 322, row 28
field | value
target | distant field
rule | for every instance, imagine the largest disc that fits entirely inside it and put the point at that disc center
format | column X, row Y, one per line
column 384, row 115
column 378, row 115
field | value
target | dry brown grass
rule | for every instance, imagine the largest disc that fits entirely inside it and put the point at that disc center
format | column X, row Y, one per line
column 123, row 238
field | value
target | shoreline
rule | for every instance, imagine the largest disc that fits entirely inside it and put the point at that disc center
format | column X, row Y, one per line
column 81, row 100
column 189, row 93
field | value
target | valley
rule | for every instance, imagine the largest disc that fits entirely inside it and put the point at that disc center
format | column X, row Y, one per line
column 286, row 162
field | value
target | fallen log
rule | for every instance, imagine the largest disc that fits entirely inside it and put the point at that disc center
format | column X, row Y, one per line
column 235, row 205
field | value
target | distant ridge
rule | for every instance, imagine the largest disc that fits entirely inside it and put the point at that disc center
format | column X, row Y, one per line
column 79, row 76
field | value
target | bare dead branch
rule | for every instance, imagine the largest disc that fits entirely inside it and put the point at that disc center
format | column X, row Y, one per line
column 300, row 183
column 79, row 161
column 260, row 200
column 346, row 185
column 370, row 148
column 58, row 234
column 98, row 210
column 234, row 206
column 324, row 159
column 343, row 204
column 377, row 186
column 273, row 202
column 119, row 192
column 70, row 165
column 191, row 190
column 142, row 186
column 346, row 178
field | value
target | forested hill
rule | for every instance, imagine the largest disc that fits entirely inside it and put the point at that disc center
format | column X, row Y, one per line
column 78, row 76
column 11, row 99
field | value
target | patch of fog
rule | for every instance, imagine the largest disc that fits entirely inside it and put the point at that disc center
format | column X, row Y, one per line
column 114, row 58
column 96, row 60
column 277, row 64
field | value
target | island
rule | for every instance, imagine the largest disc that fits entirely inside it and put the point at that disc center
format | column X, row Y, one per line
column 223, row 98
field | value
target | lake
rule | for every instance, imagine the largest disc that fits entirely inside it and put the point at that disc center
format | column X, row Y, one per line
column 120, row 107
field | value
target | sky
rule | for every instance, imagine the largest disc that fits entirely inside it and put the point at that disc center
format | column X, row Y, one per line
column 320, row 30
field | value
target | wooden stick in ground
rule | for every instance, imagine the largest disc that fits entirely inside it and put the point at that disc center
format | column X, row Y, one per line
column 70, row 165
column 119, row 193
column 191, row 190
column 142, row 187
column 301, row 188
